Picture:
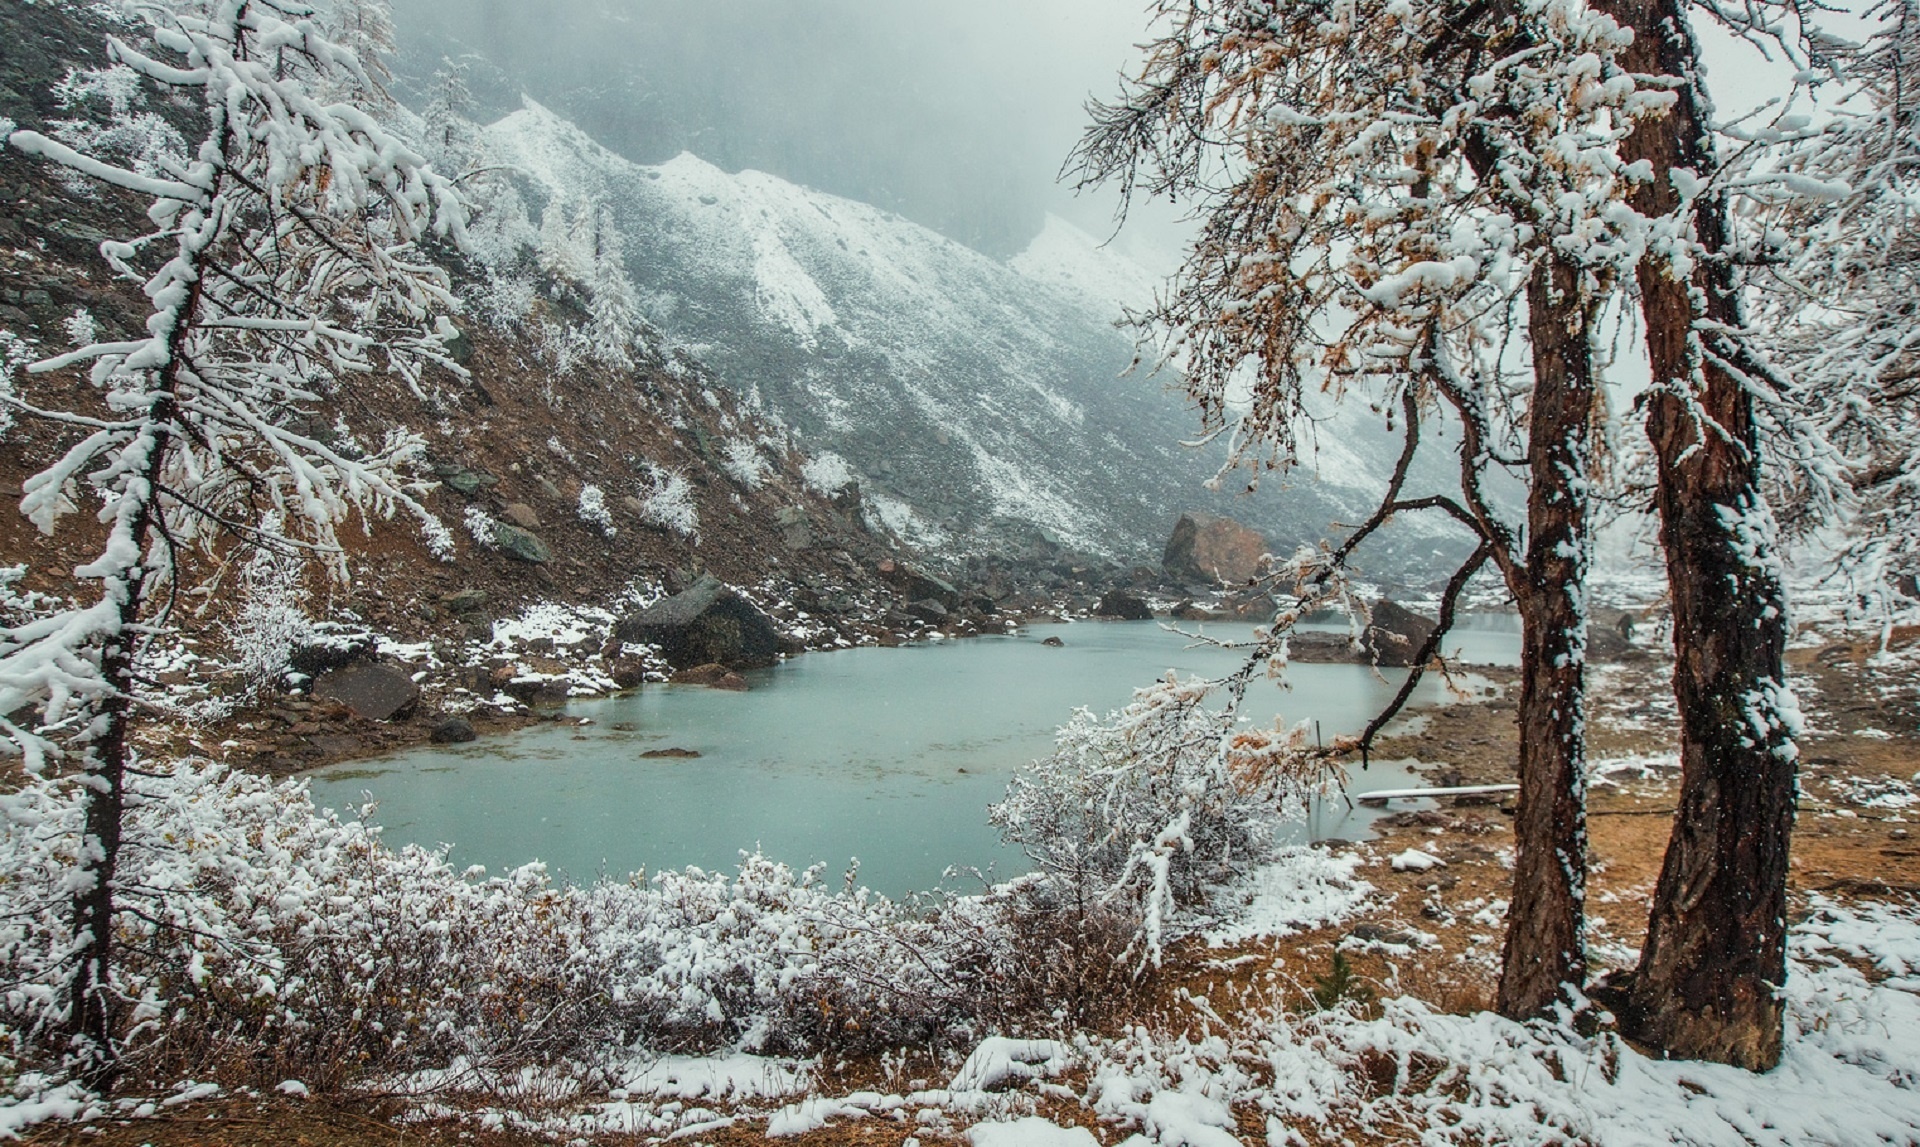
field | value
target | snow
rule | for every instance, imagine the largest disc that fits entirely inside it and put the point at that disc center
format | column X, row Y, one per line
column 1075, row 263
column 1298, row 890
column 1413, row 860
column 1032, row 1131
column 998, row 1059
column 735, row 1077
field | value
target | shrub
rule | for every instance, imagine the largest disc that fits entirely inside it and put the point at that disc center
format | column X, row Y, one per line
column 666, row 501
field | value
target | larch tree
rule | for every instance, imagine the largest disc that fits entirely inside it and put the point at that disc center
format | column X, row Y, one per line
column 279, row 266
column 1708, row 984
column 1835, row 200
column 1420, row 206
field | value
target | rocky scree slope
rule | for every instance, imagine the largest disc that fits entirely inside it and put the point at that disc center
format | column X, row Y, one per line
column 981, row 403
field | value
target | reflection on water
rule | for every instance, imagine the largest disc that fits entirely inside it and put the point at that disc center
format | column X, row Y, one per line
column 888, row 755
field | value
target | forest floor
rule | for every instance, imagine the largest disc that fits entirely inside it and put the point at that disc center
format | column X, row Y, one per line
column 1432, row 934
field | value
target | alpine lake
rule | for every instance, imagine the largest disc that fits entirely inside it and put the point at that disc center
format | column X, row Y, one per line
column 884, row 757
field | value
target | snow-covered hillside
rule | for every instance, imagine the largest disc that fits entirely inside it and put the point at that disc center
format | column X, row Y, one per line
column 975, row 398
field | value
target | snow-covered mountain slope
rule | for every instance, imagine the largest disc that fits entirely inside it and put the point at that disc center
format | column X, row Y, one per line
column 978, row 395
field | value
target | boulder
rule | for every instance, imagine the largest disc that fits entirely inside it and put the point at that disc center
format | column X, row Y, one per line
column 916, row 584
column 713, row 675
column 1188, row 611
column 522, row 515
column 1396, row 634
column 465, row 601
column 520, row 544
column 929, row 611
column 330, row 651
column 1118, row 603
column 376, row 692
column 1206, row 548
column 706, row 623
column 452, row 731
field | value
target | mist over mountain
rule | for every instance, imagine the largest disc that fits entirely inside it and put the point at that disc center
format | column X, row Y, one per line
column 978, row 400
column 963, row 130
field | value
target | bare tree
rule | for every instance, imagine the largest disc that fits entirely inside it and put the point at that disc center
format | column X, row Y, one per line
column 279, row 267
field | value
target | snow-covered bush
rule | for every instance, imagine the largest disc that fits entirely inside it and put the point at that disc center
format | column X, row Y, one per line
column 267, row 939
column 15, row 354
column 271, row 623
column 482, row 528
column 666, row 501
column 1147, row 807
column 114, row 122
column 827, row 473
column 593, row 510
column 81, row 327
column 741, row 460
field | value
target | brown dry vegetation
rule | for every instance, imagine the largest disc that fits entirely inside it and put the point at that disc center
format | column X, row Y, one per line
column 1451, row 962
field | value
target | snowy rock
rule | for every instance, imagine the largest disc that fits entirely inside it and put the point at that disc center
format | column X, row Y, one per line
column 1206, row 548
column 1186, row 1119
column 706, row 623
column 1413, row 860
column 376, row 692
column 1001, row 1060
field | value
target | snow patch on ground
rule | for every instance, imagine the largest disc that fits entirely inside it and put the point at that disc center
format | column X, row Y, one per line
column 1300, row 889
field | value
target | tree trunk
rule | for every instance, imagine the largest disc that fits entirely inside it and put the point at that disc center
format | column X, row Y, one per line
column 1546, row 923
column 91, row 1003
column 1707, row 986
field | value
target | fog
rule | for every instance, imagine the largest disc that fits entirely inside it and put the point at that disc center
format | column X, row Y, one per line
column 957, row 116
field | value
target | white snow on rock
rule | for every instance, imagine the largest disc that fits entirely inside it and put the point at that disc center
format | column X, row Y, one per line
column 999, row 1059
column 736, row 1077
column 1413, row 860
column 1190, row 1119
column 1079, row 266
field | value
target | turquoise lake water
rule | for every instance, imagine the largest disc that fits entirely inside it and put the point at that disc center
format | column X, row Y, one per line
column 887, row 755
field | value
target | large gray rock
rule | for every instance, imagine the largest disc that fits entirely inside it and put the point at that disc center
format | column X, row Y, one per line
column 916, row 584
column 1396, row 634
column 1206, row 548
column 1125, row 606
column 705, row 624
column 520, row 544
column 376, row 692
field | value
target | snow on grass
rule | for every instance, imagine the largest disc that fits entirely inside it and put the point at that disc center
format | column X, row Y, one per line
column 1298, row 890
column 1032, row 1131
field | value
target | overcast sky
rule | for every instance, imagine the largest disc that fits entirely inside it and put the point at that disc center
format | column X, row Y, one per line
column 958, row 115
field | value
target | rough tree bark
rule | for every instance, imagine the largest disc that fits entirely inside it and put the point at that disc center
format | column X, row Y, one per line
column 1545, row 947
column 1707, row 986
